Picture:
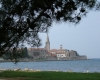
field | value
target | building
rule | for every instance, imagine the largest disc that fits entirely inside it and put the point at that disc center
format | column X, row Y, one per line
column 47, row 44
column 38, row 53
column 62, row 54
column 53, row 54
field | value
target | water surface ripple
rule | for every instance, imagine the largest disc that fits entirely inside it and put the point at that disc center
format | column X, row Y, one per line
column 92, row 65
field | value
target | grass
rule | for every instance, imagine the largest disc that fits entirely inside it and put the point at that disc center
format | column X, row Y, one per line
column 48, row 75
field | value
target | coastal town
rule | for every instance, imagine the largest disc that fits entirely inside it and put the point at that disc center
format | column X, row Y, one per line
column 54, row 54
column 40, row 54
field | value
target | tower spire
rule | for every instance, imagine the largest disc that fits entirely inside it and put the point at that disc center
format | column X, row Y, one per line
column 47, row 40
column 47, row 44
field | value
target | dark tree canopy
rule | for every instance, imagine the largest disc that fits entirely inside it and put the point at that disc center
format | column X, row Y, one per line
column 21, row 20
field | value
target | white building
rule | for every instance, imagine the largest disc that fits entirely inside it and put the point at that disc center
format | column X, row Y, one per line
column 60, row 53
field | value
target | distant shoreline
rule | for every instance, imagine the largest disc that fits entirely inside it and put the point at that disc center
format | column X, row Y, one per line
column 39, row 60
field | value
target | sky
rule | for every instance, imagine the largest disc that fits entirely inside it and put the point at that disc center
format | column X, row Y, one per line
column 83, row 37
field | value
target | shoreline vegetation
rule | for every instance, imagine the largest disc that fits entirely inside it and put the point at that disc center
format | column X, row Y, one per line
column 47, row 75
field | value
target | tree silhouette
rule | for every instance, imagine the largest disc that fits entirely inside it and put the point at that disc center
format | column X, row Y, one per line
column 21, row 20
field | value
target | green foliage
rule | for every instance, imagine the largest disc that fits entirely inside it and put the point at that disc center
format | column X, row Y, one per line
column 21, row 20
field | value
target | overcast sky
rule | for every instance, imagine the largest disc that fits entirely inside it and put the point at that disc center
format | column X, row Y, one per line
column 83, row 37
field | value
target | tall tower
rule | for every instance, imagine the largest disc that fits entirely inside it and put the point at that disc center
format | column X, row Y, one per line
column 47, row 44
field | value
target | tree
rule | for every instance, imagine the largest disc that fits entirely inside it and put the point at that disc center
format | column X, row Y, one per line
column 21, row 20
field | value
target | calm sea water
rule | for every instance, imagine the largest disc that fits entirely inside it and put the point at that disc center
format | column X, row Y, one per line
column 92, row 65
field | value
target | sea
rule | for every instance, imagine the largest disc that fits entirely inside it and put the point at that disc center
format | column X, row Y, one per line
column 90, row 65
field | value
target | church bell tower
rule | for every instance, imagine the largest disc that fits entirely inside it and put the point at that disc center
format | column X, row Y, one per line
column 47, row 44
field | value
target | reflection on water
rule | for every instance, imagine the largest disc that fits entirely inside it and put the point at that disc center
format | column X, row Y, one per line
column 92, row 65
